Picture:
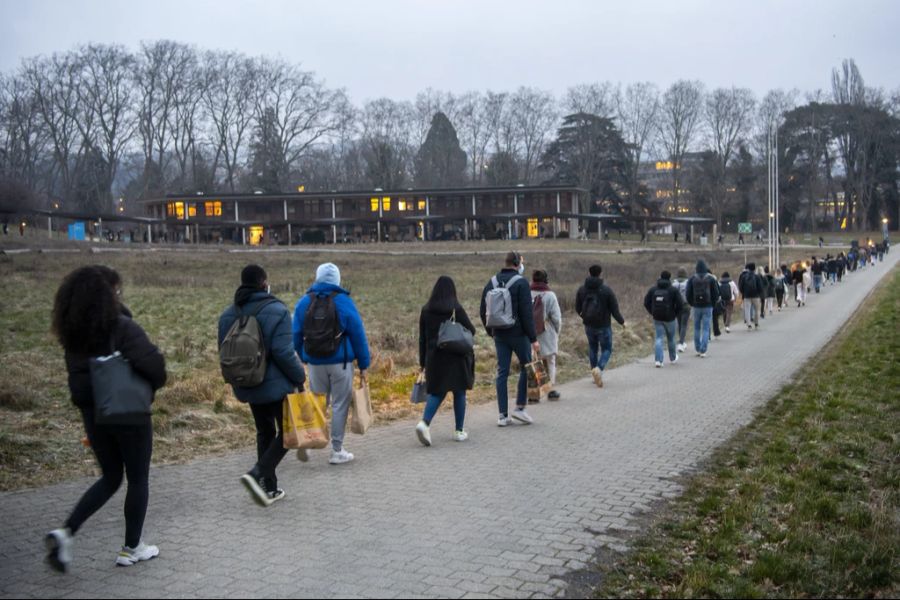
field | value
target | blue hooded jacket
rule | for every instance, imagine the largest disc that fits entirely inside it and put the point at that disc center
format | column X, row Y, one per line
column 283, row 370
column 354, row 347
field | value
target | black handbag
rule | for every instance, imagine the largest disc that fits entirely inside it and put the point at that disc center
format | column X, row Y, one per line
column 454, row 338
column 419, row 393
column 121, row 396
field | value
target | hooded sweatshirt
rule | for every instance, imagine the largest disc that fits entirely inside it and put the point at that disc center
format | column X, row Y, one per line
column 607, row 302
column 675, row 304
column 702, row 274
column 355, row 345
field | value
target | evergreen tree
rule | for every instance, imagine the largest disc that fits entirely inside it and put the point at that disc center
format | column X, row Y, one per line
column 440, row 162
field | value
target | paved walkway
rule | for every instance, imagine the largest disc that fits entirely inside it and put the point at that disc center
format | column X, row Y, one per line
column 502, row 515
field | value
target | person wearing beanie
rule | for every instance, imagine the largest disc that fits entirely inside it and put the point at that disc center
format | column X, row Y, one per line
column 702, row 295
column 329, row 336
column 752, row 291
column 283, row 375
column 548, row 325
column 684, row 317
column 664, row 303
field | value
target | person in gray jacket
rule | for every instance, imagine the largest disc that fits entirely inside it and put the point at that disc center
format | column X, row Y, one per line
column 551, row 318
column 284, row 374
column 684, row 317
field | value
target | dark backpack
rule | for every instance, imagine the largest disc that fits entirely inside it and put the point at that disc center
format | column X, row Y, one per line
column 591, row 310
column 725, row 292
column 701, row 290
column 537, row 309
column 322, row 333
column 662, row 308
column 242, row 355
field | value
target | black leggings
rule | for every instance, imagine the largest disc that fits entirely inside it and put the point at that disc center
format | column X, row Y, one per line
column 120, row 449
column 269, row 439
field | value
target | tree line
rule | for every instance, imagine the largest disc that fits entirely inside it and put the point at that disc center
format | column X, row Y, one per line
column 83, row 127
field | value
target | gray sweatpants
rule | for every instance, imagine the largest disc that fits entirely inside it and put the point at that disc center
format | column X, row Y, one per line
column 336, row 382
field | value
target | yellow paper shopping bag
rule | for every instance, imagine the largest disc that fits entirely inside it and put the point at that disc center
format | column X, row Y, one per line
column 304, row 422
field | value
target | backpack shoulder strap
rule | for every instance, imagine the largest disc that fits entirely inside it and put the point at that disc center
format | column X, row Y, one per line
column 495, row 283
column 264, row 304
column 513, row 280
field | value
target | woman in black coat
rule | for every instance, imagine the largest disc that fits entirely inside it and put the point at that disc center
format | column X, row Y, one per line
column 90, row 321
column 444, row 371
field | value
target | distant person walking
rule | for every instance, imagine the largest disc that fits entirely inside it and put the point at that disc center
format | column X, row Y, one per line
column 782, row 277
column 507, row 317
column 445, row 371
column 329, row 335
column 264, row 392
column 702, row 295
column 798, row 276
column 89, row 321
column 684, row 317
column 664, row 303
column 752, row 290
column 547, row 323
column 728, row 292
column 818, row 273
column 771, row 292
column 597, row 305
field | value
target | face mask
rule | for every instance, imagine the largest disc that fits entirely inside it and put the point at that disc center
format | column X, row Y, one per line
column 268, row 289
column 522, row 269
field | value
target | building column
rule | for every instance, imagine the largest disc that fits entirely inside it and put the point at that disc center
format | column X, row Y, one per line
column 149, row 233
column 516, row 211
column 466, row 229
column 100, row 228
column 50, row 227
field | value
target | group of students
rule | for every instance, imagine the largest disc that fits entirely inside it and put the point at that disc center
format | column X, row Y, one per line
column 322, row 343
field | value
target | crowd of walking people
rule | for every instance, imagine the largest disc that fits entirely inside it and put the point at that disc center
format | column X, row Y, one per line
column 268, row 351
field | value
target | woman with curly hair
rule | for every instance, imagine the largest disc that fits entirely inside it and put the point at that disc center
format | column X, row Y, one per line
column 89, row 321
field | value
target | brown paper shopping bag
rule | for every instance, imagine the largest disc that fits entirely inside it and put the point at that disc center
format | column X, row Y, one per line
column 361, row 406
column 304, row 424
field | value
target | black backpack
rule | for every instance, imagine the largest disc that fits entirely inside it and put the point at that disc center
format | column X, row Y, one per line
column 702, row 292
column 322, row 333
column 662, row 307
column 591, row 311
column 725, row 292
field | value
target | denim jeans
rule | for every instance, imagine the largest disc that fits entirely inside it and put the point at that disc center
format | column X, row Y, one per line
column 683, row 319
column 817, row 282
column 459, row 408
column 665, row 330
column 505, row 348
column 702, row 325
column 600, row 345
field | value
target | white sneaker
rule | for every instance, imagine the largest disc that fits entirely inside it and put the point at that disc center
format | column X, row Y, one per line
column 597, row 374
column 460, row 436
column 702, row 355
column 302, row 455
column 340, row 457
column 59, row 549
column 658, row 365
column 504, row 421
column 424, row 433
column 728, row 330
column 674, row 360
column 682, row 347
column 521, row 416
column 128, row 556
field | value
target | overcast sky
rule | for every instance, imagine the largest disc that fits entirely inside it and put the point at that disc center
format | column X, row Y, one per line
column 396, row 48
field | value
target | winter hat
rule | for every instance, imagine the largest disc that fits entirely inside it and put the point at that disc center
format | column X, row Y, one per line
column 682, row 273
column 665, row 275
column 328, row 273
column 701, row 267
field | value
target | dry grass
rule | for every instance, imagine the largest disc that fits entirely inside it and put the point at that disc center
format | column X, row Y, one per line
column 177, row 297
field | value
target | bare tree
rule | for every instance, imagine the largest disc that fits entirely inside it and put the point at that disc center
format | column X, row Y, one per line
column 387, row 142
column 680, row 113
column 637, row 114
column 227, row 90
column 729, row 118
column 591, row 98
column 474, row 132
column 534, row 117
column 23, row 140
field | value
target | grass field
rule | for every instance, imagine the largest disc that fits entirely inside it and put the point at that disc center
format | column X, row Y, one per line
column 805, row 502
column 177, row 294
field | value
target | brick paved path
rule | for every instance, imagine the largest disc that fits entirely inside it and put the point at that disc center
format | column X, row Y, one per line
column 502, row 515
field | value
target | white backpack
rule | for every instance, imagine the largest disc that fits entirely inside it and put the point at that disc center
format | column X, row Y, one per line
column 499, row 304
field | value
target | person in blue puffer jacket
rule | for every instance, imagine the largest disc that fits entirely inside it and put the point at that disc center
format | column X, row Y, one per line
column 331, row 361
column 284, row 374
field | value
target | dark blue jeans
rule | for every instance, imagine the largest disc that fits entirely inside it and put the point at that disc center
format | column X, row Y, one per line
column 459, row 408
column 505, row 349
column 600, row 345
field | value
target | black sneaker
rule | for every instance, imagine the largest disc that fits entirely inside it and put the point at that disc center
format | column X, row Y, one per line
column 257, row 488
column 553, row 395
column 274, row 492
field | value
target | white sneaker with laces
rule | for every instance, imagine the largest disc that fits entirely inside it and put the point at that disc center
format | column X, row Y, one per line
column 702, row 355
column 504, row 421
column 674, row 360
column 128, row 556
column 658, row 365
column 59, row 549
column 339, row 457
column 424, row 433
column 521, row 416
column 460, row 436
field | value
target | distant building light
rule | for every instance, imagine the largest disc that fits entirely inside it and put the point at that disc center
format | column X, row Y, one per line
column 301, row 188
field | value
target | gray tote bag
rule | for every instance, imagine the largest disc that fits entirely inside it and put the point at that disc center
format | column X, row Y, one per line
column 454, row 338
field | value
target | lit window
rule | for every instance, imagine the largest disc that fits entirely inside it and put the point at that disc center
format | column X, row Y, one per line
column 533, row 228
column 374, row 204
column 421, row 205
column 176, row 209
column 192, row 210
column 401, row 205
column 212, row 209
column 386, row 203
